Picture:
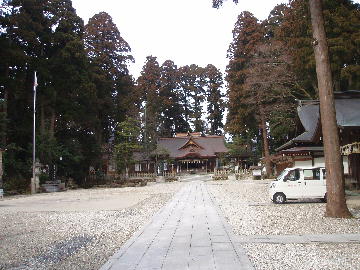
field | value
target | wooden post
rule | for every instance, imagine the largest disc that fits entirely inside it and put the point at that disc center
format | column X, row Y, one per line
column 336, row 204
column 265, row 143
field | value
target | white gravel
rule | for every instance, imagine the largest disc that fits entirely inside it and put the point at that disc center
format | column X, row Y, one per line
column 81, row 229
column 304, row 256
column 249, row 210
column 247, row 207
column 75, row 237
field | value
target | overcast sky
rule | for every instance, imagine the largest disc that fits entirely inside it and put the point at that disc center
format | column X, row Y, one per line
column 185, row 31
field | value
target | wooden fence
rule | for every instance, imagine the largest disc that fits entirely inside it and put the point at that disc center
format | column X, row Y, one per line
column 221, row 174
column 143, row 175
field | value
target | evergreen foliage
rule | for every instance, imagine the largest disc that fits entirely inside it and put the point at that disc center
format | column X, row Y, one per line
column 109, row 54
column 72, row 121
column 148, row 90
column 272, row 64
column 215, row 99
column 126, row 143
column 86, row 98
column 171, row 109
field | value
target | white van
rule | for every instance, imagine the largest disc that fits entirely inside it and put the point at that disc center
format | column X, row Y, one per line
column 299, row 183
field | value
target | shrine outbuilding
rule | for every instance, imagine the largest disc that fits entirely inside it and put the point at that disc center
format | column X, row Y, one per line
column 306, row 149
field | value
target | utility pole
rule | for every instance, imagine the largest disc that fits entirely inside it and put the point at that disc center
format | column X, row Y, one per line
column 336, row 203
column 33, row 184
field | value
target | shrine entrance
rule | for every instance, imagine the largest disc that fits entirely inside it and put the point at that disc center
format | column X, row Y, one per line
column 195, row 165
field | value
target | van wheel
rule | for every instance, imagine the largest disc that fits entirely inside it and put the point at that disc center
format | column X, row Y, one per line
column 279, row 198
column 324, row 199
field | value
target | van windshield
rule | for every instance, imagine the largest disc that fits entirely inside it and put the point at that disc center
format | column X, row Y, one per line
column 282, row 174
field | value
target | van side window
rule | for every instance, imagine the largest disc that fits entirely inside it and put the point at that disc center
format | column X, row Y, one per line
column 312, row 174
column 324, row 173
column 293, row 175
column 316, row 174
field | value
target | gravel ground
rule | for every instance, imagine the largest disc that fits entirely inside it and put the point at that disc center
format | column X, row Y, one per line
column 76, row 238
column 248, row 209
column 304, row 256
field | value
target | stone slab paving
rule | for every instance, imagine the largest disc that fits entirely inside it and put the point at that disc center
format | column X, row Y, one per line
column 188, row 233
column 298, row 239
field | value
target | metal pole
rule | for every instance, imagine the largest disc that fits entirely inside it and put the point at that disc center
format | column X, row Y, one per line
column 33, row 188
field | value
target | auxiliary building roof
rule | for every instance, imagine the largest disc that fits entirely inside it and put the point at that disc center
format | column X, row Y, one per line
column 347, row 116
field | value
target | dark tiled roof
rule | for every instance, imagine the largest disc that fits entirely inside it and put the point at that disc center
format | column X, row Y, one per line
column 300, row 149
column 309, row 117
column 347, row 115
column 140, row 156
column 182, row 147
column 348, row 112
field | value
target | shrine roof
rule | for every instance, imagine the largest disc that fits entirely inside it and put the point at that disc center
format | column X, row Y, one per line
column 347, row 116
column 199, row 146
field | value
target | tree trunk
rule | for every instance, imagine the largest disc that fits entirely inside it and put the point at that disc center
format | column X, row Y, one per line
column 4, row 135
column 265, row 143
column 336, row 203
column 52, row 123
column 42, row 118
column 1, row 168
column 5, row 108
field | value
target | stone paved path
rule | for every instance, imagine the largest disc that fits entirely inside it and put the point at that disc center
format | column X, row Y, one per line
column 188, row 233
column 299, row 239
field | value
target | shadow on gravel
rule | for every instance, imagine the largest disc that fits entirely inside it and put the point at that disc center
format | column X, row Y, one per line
column 308, row 201
column 6, row 205
column 57, row 253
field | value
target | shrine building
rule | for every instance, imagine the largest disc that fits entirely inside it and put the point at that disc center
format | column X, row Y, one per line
column 193, row 152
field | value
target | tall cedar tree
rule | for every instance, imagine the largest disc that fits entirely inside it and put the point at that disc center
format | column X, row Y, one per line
column 171, row 120
column 21, row 25
column 126, row 143
column 63, row 85
column 335, row 188
column 259, row 81
column 64, row 94
column 109, row 54
column 148, row 90
column 192, row 95
column 214, row 98
column 45, row 36
column 247, row 35
column 336, row 206
column 342, row 21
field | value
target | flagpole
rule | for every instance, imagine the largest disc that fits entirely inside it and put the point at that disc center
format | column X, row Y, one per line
column 33, row 187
